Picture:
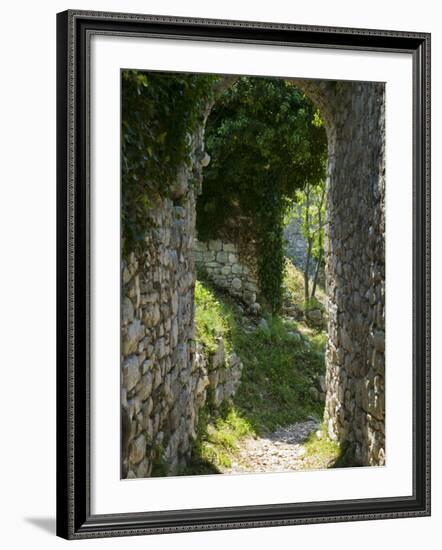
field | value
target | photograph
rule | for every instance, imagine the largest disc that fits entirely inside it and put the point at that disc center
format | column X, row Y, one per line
column 252, row 274
column 221, row 215
column 243, row 274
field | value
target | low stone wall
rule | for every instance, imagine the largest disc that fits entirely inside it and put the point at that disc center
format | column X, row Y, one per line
column 222, row 265
column 166, row 377
column 223, row 372
column 162, row 385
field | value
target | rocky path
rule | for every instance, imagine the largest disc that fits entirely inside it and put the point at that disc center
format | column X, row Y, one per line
column 281, row 450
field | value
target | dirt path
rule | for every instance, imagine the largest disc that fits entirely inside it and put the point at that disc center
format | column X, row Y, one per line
column 281, row 450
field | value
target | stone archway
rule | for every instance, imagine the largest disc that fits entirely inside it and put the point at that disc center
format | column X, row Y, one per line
column 163, row 381
column 354, row 113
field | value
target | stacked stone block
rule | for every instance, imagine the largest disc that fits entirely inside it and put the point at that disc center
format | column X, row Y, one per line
column 221, row 263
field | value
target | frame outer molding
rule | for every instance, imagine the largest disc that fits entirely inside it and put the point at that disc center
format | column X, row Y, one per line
column 74, row 520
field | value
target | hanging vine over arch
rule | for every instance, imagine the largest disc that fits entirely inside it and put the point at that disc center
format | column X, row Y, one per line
column 159, row 114
column 266, row 140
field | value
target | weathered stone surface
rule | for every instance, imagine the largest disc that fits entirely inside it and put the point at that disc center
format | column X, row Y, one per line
column 236, row 283
column 355, row 264
column 315, row 316
column 151, row 316
column 219, row 355
column 224, row 267
column 131, row 373
column 379, row 341
column 181, row 184
column 127, row 313
column 137, row 449
column 146, row 384
column 135, row 332
column 215, row 245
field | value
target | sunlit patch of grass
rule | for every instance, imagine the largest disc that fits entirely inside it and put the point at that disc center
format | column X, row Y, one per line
column 294, row 284
column 212, row 318
column 223, row 436
column 321, row 452
column 280, row 366
column 281, row 359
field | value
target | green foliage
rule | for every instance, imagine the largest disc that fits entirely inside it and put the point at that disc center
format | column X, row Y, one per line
column 280, row 366
column 211, row 319
column 310, row 208
column 159, row 112
column 223, row 436
column 321, row 452
column 279, row 369
column 266, row 140
column 294, row 288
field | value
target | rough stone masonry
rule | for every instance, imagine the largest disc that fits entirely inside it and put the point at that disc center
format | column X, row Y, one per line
column 166, row 378
column 221, row 262
column 354, row 113
column 165, row 382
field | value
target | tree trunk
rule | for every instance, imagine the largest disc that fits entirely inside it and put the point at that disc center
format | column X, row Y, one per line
column 306, row 270
column 310, row 243
column 318, row 267
column 321, row 242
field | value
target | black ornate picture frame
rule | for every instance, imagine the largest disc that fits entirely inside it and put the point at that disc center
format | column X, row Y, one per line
column 74, row 517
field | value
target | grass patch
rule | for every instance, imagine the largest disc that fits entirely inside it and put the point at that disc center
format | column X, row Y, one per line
column 280, row 366
column 282, row 361
column 294, row 286
column 212, row 318
column 321, row 452
column 223, row 436
column 217, row 440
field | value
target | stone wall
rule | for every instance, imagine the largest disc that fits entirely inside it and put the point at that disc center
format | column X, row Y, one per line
column 223, row 373
column 355, row 265
column 162, row 385
column 166, row 378
column 221, row 263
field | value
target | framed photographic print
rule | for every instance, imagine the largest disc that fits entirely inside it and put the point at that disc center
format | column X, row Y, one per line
column 243, row 274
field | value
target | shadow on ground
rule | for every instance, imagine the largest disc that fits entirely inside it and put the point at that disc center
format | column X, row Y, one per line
column 45, row 524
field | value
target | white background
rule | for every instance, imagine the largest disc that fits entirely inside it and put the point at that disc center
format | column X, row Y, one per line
column 108, row 493
column 27, row 220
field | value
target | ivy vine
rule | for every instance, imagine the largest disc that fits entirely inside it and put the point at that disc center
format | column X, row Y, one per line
column 266, row 140
column 159, row 113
